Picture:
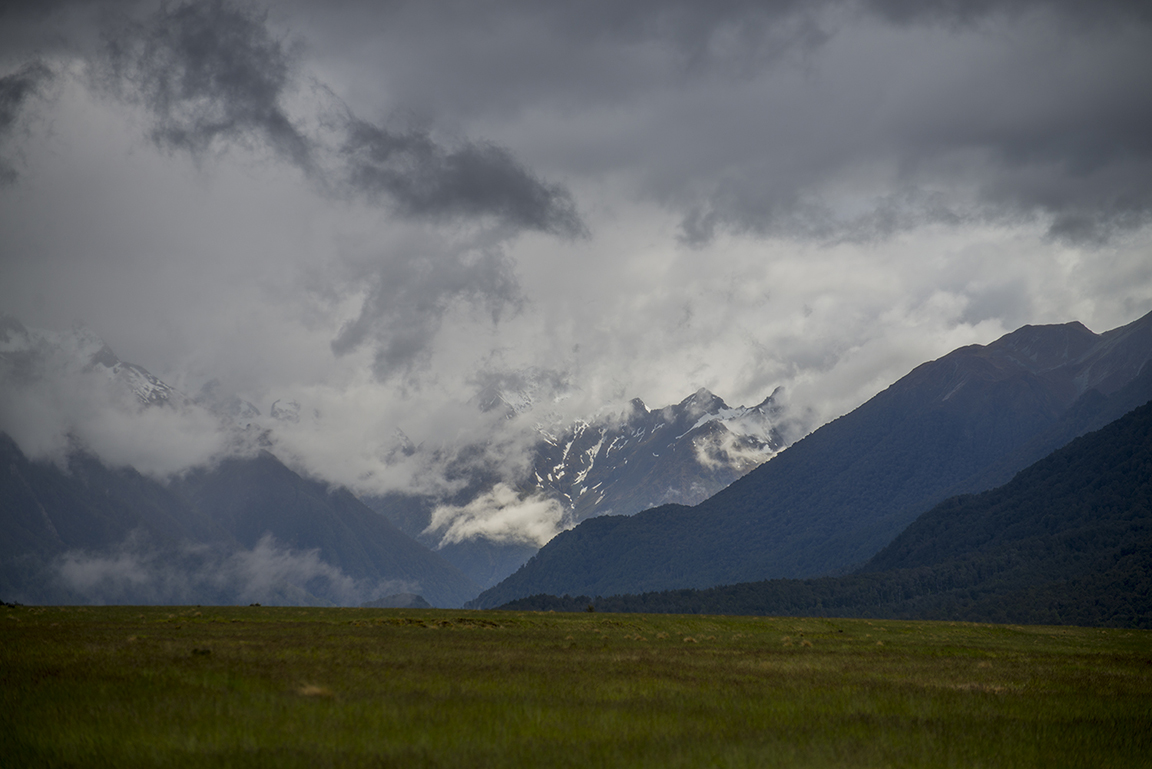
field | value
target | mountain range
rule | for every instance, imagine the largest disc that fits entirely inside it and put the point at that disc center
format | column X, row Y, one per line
column 672, row 499
column 77, row 530
column 114, row 521
column 963, row 423
column 245, row 530
column 683, row 453
column 1067, row 541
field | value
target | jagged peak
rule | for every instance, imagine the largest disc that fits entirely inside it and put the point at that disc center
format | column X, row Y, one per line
column 105, row 357
column 703, row 401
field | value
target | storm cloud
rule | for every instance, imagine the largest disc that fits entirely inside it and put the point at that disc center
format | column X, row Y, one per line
column 401, row 215
column 16, row 90
column 474, row 180
column 206, row 72
column 1016, row 117
column 213, row 74
column 828, row 120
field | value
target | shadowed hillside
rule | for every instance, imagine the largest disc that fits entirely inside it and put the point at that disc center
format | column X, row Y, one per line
column 246, row 530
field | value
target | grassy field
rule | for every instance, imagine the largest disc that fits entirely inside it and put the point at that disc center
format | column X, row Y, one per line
column 232, row 686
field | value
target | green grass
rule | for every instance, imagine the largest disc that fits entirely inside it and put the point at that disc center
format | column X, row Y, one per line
column 231, row 686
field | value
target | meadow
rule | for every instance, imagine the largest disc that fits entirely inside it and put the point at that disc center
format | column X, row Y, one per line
column 307, row 687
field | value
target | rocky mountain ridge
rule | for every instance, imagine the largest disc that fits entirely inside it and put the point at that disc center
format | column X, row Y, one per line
column 683, row 453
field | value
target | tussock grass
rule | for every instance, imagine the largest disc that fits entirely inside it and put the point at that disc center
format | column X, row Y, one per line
column 133, row 686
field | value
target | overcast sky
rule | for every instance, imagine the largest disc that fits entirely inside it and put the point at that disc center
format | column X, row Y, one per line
column 377, row 209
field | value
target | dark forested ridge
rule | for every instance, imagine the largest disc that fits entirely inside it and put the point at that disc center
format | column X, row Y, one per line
column 1067, row 541
column 247, row 529
column 964, row 422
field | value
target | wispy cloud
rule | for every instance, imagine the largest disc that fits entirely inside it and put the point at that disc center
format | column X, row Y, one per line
column 139, row 571
column 500, row 515
column 406, row 297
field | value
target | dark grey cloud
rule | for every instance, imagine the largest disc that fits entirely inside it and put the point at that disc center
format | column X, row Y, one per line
column 1090, row 168
column 16, row 90
column 1047, row 141
column 500, row 54
column 735, row 35
column 971, row 11
column 207, row 72
column 1036, row 122
column 1088, row 209
column 213, row 73
column 406, row 300
column 405, row 148
column 737, row 205
column 476, row 180
column 497, row 56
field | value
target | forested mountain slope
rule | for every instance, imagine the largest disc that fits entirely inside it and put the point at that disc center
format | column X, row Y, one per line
column 834, row 499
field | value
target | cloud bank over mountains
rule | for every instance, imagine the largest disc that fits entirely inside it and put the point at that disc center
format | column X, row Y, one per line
column 62, row 392
column 377, row 210
column 270, row 573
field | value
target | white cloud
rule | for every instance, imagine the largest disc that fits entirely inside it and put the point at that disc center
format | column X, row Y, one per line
column 500, row 515
column 54, row 400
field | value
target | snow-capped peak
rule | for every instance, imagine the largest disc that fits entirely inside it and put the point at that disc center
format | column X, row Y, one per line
column 32, row 353
column 640, row 458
